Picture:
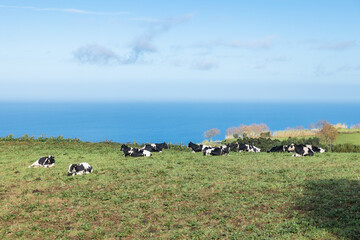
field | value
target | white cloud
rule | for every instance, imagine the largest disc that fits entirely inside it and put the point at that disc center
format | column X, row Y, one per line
column 95, row 54
column 337, row 46
column 66, row 10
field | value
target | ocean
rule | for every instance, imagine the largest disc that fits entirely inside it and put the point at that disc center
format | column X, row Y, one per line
column 161, row 122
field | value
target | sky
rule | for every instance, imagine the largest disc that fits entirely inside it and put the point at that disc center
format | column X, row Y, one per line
column 182, row 51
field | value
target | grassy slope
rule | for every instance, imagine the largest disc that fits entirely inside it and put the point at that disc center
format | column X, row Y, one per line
column 353, row 138
column 177, row 195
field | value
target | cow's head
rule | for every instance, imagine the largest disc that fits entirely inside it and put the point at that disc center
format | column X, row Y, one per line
column 291, row 148
column 124, row 148
column 71, row 169
column 50, row 159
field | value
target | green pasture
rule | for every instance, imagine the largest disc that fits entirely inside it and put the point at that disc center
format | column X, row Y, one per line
column 352, row 138
column 176, row 194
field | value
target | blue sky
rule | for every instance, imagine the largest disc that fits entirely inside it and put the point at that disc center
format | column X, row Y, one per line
column 279, row 50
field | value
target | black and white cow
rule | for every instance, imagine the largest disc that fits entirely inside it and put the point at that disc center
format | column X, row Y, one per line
column 300, row 150
column 247, row 148
column 134, row 152
column 217, row 151
column 44, row 162
column 198, row 147
column 79, row 169
column 280, row 148
column 316, row 149
column 155, row 147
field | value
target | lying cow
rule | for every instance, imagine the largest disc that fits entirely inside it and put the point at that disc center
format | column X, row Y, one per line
column 217, row 151
column 247, row 148
column 44, row 162
column 79, row 169
column 316, row 149
column 134, row 152
column 280, row 148
column 155, row 147
column 198, row 147
column 300, row 150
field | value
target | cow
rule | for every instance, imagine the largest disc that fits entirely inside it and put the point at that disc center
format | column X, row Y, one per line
column 46, row 162
column 217, row 151
column 155, row 147
column 134, row 152
column 300, row 150
column 225, row 149
column 247, row 148
column 280, row 148
column 316, row 149
column 79, row 169
column 198, row 147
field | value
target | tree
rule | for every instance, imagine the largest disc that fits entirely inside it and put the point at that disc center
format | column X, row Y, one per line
column 321, row 123
column 356, row 126
column 211, row 133
column 328, row 133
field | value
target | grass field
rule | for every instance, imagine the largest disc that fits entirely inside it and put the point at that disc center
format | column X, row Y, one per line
column 176, row 195
column 353, row 138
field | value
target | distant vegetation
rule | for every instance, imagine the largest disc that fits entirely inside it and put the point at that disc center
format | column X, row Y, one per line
column 333, row 137
column 211, row 133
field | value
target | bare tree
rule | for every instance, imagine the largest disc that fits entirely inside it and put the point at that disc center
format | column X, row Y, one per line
column 328, row 133
column 232, row 132
column 211, row 133
column 320, row 124
column 356, row 126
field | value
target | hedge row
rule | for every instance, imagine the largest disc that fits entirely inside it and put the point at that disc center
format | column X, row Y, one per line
column 345, row 148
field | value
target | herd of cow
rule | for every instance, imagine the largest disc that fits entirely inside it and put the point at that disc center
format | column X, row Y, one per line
column 148, row 149
column 299, row 150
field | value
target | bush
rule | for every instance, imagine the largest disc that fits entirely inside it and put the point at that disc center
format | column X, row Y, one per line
column 346, row 148
column 265, row 134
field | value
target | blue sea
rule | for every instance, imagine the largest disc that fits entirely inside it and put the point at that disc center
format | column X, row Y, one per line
column 159, row 122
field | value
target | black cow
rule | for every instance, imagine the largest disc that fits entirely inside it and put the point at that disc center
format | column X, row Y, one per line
column 198, row 147
column 44, row 162
column 134, row 152
column 300, row 150
column 79, row 169
column 155, row 147
column 281, row 148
